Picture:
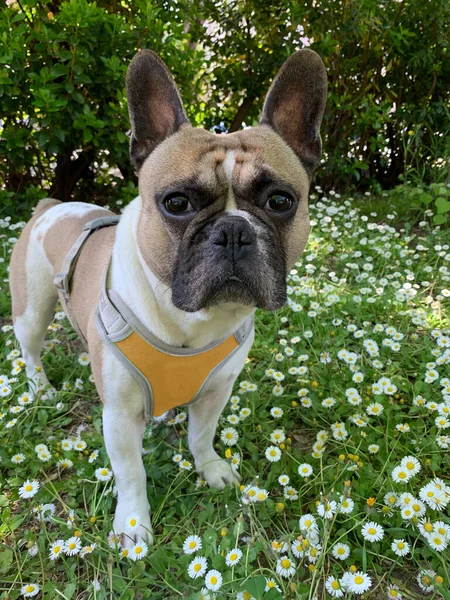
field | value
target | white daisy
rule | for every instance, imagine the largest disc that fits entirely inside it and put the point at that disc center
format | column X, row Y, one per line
column 334, row 587
column 400, row 547
column 357, row 583
column 285, row 567
column 305, row 470
column 103, row 474
column 372, row 532
column 138, row 551
column 229, row 436
column 197, row 567
column 233, row 557
column 55, row 549
column 132, row 523
column 72, row 546
column 273, row 454
column 29, row 590
column 29, row 489
column 213, row 580
column 341, row 551
column 192, row 544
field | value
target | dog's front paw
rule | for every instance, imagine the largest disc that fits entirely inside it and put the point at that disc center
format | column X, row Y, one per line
column 133, row 525
column 218, row 473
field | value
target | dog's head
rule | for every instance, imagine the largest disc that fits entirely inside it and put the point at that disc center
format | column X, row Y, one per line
column 224, row 217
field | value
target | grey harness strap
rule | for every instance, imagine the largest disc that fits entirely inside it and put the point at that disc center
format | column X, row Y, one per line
column 116, row 321
column 62, row 279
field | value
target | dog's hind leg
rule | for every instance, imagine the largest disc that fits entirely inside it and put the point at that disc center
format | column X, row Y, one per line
column 33, row 298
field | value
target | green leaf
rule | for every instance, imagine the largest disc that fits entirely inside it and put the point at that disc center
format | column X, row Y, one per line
column 256, row 586
column 158, row 560
column 439, row 219
column 69, row 590
column 425, row 198
column 442, row 205
column 6, row 559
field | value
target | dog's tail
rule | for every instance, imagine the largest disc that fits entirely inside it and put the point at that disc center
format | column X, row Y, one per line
column 44, row 205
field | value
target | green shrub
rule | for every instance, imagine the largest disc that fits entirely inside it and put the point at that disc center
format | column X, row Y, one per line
column 62, row 70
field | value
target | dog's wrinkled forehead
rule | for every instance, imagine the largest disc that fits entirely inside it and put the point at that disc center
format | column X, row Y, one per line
column 240, row 162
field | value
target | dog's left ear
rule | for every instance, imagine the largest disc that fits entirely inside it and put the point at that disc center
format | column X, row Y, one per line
column 295, row 104
column 154, row 105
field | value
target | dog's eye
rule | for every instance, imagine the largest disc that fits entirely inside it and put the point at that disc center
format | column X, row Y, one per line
column 279, row 202
column 177, row 204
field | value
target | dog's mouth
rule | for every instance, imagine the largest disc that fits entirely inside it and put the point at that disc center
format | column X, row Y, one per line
column 225, row 261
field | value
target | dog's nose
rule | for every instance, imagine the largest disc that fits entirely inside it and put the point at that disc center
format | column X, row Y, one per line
column 232, row 233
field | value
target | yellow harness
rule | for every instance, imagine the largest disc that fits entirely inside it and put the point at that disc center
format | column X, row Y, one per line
column 169, row 376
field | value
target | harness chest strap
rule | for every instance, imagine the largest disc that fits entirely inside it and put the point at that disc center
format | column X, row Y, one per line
column 63, row 278
column 169, row 376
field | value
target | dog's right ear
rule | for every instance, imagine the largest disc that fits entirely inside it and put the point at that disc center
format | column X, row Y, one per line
column 154, row 105
column 295, row 104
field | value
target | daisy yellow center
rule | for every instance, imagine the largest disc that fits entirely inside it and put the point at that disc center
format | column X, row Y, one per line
column 233, row 556
column 410, row 465
column 197, row 567
column 372, row 531
column 393, row 593
column 416, row 507
column 277, row 436
column 285, row 563
column 56, row 549
column 28, row 488
column 270, row 584
column 261, row 496
column 251, row 492
column 138, row 550
column 341, row 550
column 104, row 472
column 358, row 580
column 125, row 552
column 441, row 530
column 247, row 596
column 430, row 494
column 345, row 503
column 437, row 541
column 30, row 588
column 428, row 527
column 273, row 453
column 307, row 523
column 213, row 580
column 305, row 469
column 401, row 545
column 192, row 544
column 335, row 585
column 72, row 545
column 229, row 436
column 427, row 580
column 402, row 475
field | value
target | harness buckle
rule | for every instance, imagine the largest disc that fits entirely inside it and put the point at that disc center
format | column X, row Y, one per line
column 61, row 283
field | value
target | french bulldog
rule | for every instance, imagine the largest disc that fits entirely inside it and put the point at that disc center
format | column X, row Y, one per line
column 219, row 222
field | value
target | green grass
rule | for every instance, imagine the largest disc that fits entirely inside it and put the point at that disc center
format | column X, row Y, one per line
column 329, row 295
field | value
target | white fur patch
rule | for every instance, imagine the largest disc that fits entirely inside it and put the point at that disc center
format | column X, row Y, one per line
column 228, row 165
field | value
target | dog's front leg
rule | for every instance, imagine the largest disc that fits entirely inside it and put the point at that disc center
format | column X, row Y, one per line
column 123, row 437
column 123, row 430
column 203, row 418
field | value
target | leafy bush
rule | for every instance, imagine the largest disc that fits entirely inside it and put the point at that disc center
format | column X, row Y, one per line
column 62, row 72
